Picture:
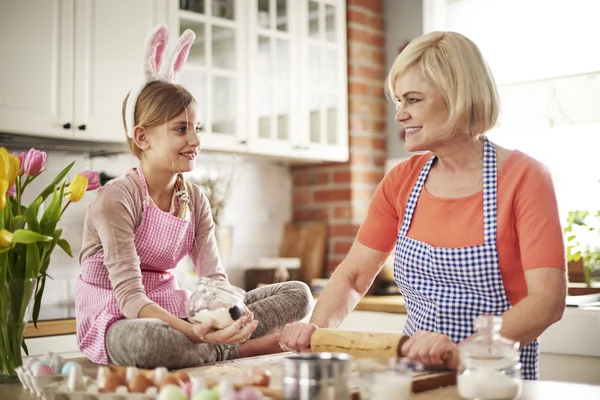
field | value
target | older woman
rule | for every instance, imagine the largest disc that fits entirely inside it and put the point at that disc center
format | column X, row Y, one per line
column 474, row 227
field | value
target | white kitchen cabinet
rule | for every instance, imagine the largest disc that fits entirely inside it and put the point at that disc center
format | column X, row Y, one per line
column 282, row 88
column 70, row 63
column 108, row 60
column 215, row 72
column 323, row 73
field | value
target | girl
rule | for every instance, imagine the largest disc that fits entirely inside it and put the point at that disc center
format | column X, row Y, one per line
column 129, row 308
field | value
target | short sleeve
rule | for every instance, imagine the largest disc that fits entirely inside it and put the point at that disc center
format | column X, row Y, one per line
column 538, row 226
column 379, row 230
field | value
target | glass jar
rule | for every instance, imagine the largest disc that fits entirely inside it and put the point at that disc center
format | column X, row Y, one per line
column 385, row 379
column 489, row 363
column 218, row 300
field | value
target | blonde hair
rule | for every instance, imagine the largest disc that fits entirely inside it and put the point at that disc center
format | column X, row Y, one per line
column 454, row 66
column 158, row 103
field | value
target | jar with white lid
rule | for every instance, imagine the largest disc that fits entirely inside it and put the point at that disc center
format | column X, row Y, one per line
column 489, row 363
column 218, row 300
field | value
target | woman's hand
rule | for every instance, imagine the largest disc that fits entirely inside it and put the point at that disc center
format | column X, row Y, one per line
column 296, row 337
column 238, row 332
column 431, row 349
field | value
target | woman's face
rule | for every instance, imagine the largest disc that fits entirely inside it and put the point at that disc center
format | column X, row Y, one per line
column 175, row 144
column 421, row 110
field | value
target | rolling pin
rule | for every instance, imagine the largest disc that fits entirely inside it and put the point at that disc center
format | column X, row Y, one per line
column 361, row 344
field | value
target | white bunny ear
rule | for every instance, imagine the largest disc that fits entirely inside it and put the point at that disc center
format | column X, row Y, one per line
column 155, row 49
column 178, row 56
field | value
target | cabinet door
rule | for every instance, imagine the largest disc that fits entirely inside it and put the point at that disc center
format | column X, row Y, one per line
column 273, row 86
column 109, row 55
column 215, row 70
column 36, row 72
column 324, row 80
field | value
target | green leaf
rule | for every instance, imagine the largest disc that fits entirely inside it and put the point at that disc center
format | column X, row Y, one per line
column 32, row 215
column 38, row 299
column 63, row 244
column 26, row 236
column 24, row 346
column 50, row 188
column 32, row 262
column 18, row 223
column 51, row 216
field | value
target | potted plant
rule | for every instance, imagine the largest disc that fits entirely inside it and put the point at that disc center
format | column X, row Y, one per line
column 583, row 242
column 27, row 239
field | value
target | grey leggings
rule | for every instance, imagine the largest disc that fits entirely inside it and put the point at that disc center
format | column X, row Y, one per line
column 150, row 343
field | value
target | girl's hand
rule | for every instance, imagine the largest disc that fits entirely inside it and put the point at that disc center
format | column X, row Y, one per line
column 238, row 332
column 431, row 349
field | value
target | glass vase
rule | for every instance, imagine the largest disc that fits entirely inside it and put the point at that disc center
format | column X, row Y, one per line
column 16, row 303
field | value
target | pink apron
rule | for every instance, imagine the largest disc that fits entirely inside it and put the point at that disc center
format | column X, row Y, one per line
column 161, row 241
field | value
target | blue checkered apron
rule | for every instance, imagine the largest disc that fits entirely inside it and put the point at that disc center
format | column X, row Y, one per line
column 445, row 289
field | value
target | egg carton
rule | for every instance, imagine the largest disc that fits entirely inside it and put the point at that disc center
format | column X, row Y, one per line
column 37, row 384
column 60, row 391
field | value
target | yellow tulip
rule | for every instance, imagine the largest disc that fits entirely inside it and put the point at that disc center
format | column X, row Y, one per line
column 77, row 188
column 3, row 189
column 13, row 168
column 5, row 238
column 3, row 164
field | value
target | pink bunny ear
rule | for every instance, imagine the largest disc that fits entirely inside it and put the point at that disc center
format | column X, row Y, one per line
column 179, row 55
column 155, row 49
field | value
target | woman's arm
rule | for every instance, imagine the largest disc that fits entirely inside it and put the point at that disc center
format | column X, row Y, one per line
column 543, row 306
column 347, row 285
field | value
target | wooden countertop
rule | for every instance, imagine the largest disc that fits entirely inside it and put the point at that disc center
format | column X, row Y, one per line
column 390, row 304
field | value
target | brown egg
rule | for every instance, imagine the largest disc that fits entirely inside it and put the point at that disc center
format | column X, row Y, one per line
column 170, row 380
column 139, row 384
column 182, row 376
column 257, row 377
column 112, row 381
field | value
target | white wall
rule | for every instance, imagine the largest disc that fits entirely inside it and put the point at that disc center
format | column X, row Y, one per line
column 403, row 22
column 258, row 208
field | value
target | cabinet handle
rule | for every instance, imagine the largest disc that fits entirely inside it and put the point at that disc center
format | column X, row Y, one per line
column 67, row 125
column 81, row 127
column 243, row 142
column 300, row 147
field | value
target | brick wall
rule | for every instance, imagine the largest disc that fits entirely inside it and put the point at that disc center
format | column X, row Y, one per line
column 340, row 193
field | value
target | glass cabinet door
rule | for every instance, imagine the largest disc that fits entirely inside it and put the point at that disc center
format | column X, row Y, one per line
column 214, row 68
column 324, row 94
column 272, row 72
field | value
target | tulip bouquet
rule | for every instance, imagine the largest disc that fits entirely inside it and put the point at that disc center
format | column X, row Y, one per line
column 28, row 236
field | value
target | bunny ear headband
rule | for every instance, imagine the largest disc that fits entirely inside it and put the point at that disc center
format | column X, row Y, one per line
column 157, row 68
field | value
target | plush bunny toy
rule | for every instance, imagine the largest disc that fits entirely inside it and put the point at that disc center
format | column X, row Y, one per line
column 157, row 68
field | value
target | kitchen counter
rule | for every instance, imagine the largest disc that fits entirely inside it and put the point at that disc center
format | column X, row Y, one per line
column 542, row 390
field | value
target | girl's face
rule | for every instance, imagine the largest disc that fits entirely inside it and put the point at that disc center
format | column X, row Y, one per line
column 174, row 145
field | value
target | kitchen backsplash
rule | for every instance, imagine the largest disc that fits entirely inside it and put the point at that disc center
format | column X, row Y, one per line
column 258, row 207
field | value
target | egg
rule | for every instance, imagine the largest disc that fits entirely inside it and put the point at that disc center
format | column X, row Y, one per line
column 66, row 369
column 206, row 394
column 250, row 393
column 257, row 377
column 182, row 376
column 172, row 392
column 139, row 384
column 40, row 369
column 170, row 380
column 112, row 381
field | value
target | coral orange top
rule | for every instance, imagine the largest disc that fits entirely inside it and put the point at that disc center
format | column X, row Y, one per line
column 529, row 232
